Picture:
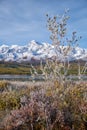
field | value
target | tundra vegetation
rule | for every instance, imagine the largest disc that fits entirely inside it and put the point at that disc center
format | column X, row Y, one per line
column 53, row 104
column 25, row 68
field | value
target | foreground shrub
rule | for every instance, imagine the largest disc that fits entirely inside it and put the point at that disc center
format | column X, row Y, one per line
column 9, row 101
column 3, row 86
column 51, row 107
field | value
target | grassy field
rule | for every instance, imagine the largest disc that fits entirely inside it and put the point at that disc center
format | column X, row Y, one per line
column 14, row 68
column 24, row 68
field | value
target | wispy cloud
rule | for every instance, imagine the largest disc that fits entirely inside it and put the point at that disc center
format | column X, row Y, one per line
column 24, row 20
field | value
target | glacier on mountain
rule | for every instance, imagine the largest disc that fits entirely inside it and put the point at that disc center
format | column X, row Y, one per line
column 37, row 51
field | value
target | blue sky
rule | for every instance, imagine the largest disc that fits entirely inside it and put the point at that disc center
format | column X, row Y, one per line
column 24, row 20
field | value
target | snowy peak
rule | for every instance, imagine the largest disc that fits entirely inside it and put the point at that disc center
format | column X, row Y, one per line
column 36, row 51
column 79, row 53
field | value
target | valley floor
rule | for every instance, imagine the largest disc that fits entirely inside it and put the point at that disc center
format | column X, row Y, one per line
column 14, row 68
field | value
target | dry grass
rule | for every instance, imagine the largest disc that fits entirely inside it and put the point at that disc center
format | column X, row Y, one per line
column 45, row 105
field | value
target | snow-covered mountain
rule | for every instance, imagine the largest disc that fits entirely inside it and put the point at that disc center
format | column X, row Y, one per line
column 36, row 51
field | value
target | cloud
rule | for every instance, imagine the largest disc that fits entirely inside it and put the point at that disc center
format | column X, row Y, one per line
column 21, row 20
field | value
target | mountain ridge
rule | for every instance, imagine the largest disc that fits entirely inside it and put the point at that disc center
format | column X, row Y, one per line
column 37, row 51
